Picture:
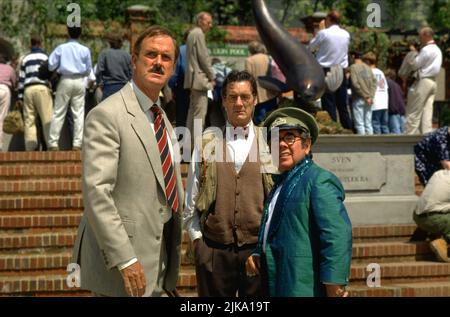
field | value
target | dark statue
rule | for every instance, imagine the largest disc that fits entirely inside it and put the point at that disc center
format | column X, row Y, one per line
column 303, row 73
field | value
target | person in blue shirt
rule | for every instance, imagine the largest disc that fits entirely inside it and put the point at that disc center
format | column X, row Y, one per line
column 73, row 62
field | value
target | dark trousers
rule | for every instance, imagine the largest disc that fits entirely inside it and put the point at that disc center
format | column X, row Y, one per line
column 220, row 270
column 111, row 89
column 182, row 105
column 337, row 99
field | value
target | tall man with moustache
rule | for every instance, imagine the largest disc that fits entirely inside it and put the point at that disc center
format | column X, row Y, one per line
column 129, row 238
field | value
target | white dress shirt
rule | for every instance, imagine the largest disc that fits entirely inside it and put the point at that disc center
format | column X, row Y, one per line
column 238, row 148
column 272, row 204
column 333, row 46
column 146, row 103
column 429, row 60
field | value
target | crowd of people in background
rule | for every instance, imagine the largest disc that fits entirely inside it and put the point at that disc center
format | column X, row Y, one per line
column 365, row 102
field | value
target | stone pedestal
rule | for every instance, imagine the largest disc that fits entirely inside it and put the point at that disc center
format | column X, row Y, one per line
column 140, row 17
column 377, row 173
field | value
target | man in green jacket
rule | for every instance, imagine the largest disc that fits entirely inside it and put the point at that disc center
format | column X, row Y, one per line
column 305, row 239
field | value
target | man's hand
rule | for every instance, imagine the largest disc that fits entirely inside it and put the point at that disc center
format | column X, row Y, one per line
column 445, row 164
column 369, row 101
column 336, row 290
column 252, row 265
column 134, row 279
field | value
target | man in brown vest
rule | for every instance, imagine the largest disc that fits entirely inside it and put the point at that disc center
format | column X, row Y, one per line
column 228, row 180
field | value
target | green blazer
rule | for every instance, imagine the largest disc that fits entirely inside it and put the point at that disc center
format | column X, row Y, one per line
column 309, row 242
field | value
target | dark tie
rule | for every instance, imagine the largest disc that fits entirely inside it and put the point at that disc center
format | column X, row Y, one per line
column 166, row 160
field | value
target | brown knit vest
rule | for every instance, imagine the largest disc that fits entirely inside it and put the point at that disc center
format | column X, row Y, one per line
column 239, row 203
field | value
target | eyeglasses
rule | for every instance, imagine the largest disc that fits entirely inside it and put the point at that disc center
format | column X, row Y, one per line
column 245, row 98
column 289, row 139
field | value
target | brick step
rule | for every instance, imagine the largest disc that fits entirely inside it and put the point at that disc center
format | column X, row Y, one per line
column 187, row 278
column 41, row 202
column 36, row 261
column 423, row 289
column 402, row 272
column 188, row 292
column 376, row 233
column 379, row 252
column 426, row 287
column 79, row 293
column 39, row 170
column 34, row 156
column 55, row 281
column 41, row 187
column 30, row 284
column 60, row 237
column 40, row 220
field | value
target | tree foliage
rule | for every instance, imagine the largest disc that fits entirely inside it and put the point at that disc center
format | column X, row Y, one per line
column 20, row 17
column 439, row 16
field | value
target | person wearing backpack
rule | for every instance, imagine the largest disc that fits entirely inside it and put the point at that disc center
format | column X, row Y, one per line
column 229, row 177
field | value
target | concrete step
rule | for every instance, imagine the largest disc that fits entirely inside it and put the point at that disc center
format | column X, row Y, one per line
column 41, row 186
column 40, row 202
column 60, row 237
column 422, row 289
column 35, row 261
column 12, row 220
column 374, row 233
column 402, row 272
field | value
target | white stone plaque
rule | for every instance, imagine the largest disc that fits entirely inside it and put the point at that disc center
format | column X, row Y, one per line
column 356, row 171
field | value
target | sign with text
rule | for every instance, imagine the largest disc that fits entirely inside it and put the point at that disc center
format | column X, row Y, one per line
column 356, row 171
column 228, row 50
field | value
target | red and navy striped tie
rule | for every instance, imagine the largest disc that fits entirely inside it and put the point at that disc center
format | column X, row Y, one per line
column 166, row 160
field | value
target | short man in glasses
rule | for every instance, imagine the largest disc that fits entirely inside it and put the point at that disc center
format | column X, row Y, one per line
column 305, row 240
column 226, row 188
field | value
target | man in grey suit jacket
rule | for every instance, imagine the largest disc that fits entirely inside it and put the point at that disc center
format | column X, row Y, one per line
column 199, row 76
column 129, row 238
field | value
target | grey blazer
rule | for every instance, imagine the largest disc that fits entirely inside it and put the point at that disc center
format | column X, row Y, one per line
column 199, row 72
column 124, row 199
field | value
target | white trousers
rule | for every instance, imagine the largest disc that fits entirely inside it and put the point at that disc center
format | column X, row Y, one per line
column 419, row 107
column 71, row 91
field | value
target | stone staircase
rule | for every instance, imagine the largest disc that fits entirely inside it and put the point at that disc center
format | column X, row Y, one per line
column 41, row 206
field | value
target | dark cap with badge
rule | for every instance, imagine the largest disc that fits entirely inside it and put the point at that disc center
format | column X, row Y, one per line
column 293, row 118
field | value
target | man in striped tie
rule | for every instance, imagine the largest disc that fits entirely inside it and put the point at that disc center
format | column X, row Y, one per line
column 129, row 238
